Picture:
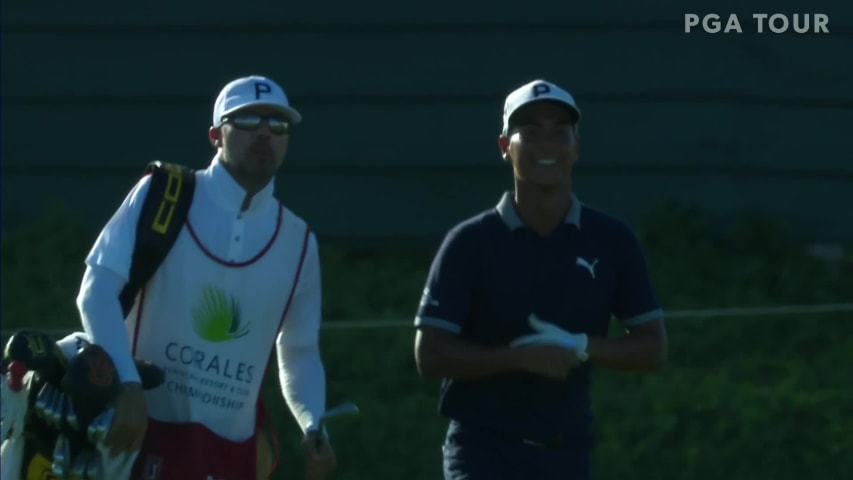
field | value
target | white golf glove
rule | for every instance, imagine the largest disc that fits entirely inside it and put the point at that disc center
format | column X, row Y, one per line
column 548, row 333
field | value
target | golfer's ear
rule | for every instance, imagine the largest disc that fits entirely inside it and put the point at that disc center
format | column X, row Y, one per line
column 503, row 145
column 215, row 136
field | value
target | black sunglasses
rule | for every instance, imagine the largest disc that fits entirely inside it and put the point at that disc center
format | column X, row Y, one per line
column 251, row 121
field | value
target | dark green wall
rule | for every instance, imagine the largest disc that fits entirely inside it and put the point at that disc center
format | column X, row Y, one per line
column 402, row 105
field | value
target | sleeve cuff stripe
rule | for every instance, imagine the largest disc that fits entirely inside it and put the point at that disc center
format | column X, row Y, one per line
column 643, row 318
column 438, row 323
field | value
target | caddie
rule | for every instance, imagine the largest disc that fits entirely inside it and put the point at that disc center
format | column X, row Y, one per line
column 242, row 278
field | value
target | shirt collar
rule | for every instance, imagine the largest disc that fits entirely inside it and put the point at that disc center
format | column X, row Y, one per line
column 509, row 215
column 229, row 194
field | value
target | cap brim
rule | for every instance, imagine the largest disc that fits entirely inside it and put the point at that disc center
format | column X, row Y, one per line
column 291, row 113
column 559, row 101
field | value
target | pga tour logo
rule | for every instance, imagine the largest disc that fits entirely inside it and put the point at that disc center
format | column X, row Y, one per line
column 758, row 23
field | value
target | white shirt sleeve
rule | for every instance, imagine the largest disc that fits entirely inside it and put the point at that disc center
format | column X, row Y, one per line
column 303, row 383
column 300, row 368
column 103, row 322
column 113, row 249
column 107, row 272
column 302, row 323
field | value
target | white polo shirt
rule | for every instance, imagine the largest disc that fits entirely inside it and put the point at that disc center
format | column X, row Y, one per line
column 233, row 284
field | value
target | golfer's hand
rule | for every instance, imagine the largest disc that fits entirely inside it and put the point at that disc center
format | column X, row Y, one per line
column 129, row 422
column 550, row 333
column 547, row 360
column 320, row 460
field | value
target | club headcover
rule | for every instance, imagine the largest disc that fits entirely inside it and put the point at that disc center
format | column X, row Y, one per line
column 38, row 352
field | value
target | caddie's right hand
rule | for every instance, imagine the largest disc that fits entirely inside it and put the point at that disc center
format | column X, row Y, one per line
column 547, row 359
column 320, row 459
column 130, row 421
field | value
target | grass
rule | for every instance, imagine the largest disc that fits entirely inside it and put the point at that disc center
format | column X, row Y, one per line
column 740, row 398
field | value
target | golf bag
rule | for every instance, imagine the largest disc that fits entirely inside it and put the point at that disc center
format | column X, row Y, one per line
column 56, row 395
column 56, row 406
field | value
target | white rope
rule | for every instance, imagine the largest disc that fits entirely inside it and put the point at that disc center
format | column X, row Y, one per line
column 781, row 310
column 775, row 311
column 762, row 311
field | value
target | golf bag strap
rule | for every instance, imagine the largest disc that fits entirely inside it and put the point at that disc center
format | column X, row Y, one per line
column 163, row 215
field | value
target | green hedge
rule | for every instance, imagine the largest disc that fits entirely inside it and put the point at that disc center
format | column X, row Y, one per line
column 740, row 398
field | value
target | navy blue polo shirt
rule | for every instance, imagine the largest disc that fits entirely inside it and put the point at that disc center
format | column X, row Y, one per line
column 491, row 272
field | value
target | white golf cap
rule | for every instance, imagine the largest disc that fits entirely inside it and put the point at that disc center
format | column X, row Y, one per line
column 536, row 91
column 252, row 91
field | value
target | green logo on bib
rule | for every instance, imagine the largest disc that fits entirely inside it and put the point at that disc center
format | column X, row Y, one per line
column 216, row 318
